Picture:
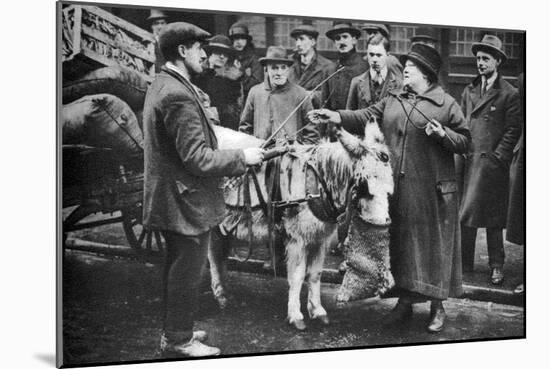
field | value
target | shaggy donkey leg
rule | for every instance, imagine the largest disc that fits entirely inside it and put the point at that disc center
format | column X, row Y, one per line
column 314, row 307
column 296, row 271
column 218, row 267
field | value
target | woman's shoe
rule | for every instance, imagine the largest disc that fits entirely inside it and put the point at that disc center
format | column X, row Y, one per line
column 437, row 317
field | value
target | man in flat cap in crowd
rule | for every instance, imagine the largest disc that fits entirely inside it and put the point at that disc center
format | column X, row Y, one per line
column 182, row 180
column 222, row 80
column 310, row 68
column 158, row 19
column 375, row 84
column 492, row 107
column 243, row 43
column 335, row 91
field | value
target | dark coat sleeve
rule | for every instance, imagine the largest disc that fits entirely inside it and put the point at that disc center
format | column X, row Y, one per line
column 246, row 124
column 184, row 122
column 512, row 128
column 355, row 120
column 457, row 136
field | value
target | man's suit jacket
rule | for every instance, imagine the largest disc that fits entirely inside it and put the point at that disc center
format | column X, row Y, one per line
column 183, row 168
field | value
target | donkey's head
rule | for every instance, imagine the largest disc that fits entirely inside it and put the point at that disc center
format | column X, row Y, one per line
column 372, row 172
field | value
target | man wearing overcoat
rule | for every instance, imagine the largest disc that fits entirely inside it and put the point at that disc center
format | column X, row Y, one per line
column 375, row 84
column 310, row 68
column 182, row 182
column 492, row 107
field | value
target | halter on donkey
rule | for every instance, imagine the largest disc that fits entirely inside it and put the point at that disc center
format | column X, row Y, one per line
column 317, row 184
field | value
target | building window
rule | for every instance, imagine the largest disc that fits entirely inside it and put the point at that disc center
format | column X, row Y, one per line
column 256, row 28
column 401, row 38
column 462, row 39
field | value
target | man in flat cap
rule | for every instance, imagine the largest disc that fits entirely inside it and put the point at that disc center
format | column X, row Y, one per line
column 372, row 29
column 375, row 84
column 222, row 80
column 157, row 19
column 492, row 107
column 336, row 90
column 243, row 43
column 182, row 181
column 310, row 68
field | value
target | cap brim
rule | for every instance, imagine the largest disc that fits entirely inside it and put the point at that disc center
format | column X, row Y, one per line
column 240, row 35
column 264, row 61
column 224, row 50
column 491, row 49
column 352, row 31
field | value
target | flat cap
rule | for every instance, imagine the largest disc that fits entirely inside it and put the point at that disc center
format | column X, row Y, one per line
column 174, row 34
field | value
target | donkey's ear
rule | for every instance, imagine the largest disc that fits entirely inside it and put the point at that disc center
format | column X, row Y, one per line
column 351, row 143
column 373, row 134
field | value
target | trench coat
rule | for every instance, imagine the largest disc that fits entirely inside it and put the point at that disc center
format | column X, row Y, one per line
column 267, row 108
column 424, row 235
column 494, row 122
column 253, row 72
column 336, row 90
column 515, row 225
column 360, row 96
column 183, row 169
column 311, row 76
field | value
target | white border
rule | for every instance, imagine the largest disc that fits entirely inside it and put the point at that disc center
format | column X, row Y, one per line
column 28, row 183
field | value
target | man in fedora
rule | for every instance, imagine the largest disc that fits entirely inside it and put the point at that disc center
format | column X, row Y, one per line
column 310, row 68
column 372, row 29
column 182, row 182
column 157, row 19
column 336, row 90
column 375, row 84
column 492, row 108
column 251, row 68
column 222, row 80
column 268, row 105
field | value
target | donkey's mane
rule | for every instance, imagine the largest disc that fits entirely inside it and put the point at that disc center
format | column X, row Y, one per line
column 335, row 166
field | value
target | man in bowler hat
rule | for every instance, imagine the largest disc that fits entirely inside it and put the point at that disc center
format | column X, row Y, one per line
column 182, row 182
column 492, row 107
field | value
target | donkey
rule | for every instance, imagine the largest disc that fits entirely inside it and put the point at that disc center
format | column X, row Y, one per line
column 354, row 174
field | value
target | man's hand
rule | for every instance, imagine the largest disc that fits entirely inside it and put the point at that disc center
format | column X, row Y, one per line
column 324, row 116
column 434, row 127
column 253, row 156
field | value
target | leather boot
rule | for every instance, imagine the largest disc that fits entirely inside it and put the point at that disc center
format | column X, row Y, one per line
column 401, row 312
column 437, row 317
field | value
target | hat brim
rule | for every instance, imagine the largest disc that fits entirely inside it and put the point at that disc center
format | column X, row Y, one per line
column 491, row 49
column 418, row 61
column 423, row 37
column 297, row 33
column 352, row 31
column 264, row 61
column 240, row 35
column 155, row 17
column 222, row 49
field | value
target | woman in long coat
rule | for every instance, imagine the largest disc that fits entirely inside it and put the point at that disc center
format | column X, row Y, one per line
column 423, row 127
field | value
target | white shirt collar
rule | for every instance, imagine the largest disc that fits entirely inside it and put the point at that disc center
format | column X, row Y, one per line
column 489, row 82
column 383, row 73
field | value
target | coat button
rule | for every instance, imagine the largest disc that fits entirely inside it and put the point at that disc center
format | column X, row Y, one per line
column 400, row 133
column 401, row 174
column 483, row 154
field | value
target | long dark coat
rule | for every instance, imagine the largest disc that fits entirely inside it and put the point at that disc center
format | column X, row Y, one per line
column 515, row 225
column 253, row 72
column 494, row 122
column 425, row 242
column 183, row 169
column 266, row 109
column 360, row 96
column 312, row 75
column 336, row 90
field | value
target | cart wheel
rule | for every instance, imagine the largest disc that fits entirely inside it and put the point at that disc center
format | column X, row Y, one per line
column 140, row 239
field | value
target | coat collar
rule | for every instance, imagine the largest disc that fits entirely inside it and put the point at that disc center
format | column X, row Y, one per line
column 435, row 94
column 481, row 101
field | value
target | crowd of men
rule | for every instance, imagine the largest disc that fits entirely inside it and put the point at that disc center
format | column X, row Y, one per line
column 204, row 80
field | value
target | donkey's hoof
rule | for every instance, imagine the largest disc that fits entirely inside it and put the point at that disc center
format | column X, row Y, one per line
column 299, row 324
column 323, row 319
